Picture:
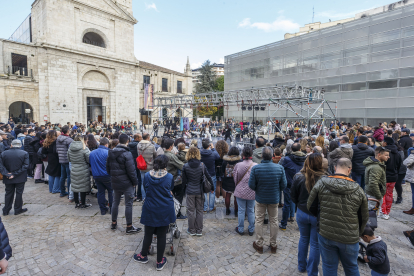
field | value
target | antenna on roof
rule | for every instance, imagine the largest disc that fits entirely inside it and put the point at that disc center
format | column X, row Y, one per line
column 313, row 13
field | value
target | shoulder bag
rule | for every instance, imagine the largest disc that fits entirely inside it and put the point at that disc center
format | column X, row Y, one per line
column 206, row 185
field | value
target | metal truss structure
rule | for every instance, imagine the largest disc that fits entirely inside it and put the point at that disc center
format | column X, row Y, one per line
column 300, row 103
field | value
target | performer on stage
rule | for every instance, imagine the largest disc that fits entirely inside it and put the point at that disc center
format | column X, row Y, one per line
column 228, row 133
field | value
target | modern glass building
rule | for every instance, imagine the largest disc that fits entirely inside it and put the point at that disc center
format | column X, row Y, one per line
column 367, row 65
column 24, row 31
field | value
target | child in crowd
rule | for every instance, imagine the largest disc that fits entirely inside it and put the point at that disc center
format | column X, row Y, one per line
column 376, row 257
column 277, row 155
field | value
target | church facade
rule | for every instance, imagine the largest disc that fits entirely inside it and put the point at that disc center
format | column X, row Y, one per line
column 73, row 61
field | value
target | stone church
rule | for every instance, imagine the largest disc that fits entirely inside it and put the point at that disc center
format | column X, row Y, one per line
column 73, row 61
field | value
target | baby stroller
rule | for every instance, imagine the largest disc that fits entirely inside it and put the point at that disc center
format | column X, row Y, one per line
column 372, row 222
column 172, row 233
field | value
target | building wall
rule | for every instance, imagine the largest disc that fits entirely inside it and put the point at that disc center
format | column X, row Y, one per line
column 366, row 65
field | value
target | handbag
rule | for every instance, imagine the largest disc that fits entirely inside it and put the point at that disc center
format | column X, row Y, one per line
column 205, row 183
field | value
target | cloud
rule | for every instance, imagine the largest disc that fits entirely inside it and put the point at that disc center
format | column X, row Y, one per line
column 280, row 24
column 151, row 6
column 221, row 60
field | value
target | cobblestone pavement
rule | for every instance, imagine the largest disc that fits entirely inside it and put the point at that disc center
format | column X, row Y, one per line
column 54, row 238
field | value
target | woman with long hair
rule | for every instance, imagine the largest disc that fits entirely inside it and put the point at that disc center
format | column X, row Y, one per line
column 320, row 141
column 78, row 155
column 244, row 195
column 159, row 185
column 222, row 148
column 53, row 168
column 192, row 177
column 303, row 182
column 229, row 161
column 91, row 142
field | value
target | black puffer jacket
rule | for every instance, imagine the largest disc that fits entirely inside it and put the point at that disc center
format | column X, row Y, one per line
column 361, row 152
column 193, row 176
column 393, row 164
column 300, row 195
column 16, row 162
column 132, row 146
column 4, row 242
column 27, row 146
column 121, row 167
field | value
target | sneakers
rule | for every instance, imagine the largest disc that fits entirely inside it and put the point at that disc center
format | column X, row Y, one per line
column 162, row 264
column 189, row 233
column 113, row 226
column 251, row 233
column 37, row 181
column 77, row 206
column 283, row 228
column 238, row 232
column 199, row 234
column 399, row 200
column 384, row 216
column 141, row 259
column 133, row 230
column 410, row 236
column 85, row 206
column 292, row 219
column 181, row 217
column 63, row 195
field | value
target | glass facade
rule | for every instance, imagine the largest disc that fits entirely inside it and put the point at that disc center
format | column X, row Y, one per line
column 367, row 65
column 23, row 33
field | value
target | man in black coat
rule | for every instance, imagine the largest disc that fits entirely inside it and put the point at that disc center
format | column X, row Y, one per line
column 405, row 141
column 13, row 166
column 361, row 152
column 30, row 150
column 121, row 167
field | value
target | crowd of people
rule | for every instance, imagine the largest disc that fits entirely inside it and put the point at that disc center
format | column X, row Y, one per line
column 320, row 180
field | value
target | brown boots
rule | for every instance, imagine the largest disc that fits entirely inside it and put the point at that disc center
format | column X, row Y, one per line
column 409, row 212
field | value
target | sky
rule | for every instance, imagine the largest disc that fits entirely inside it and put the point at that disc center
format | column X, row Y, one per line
column 170, row 30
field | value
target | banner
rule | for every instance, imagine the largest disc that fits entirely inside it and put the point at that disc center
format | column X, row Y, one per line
column 148, row 96
column 186, row 123
column 181, row 124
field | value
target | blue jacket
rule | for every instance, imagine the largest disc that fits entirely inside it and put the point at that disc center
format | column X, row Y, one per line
column 267, row 179
column 158, row 209
column 5, row 247
column 209, row 157
column 97, row 159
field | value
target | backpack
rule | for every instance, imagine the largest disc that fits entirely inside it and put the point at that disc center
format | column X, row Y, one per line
column 141, row 164
column 229, row 170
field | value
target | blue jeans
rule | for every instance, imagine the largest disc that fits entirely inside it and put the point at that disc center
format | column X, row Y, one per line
column 54, row 184
column 143, row 193
column 308, row 236
column 246, row 206
column 288, row 207
column 412, row 194
column 373, row 273
column 65, row 173
column 332, row 252
column 104, row 184
column 360, row 179
column 210, row 197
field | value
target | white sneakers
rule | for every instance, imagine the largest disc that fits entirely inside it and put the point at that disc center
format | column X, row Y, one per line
column 386, row 217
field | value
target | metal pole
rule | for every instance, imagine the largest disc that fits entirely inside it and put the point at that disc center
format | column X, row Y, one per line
column 268, row 117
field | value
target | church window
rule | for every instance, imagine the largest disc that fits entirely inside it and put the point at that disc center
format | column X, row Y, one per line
column 93, row 39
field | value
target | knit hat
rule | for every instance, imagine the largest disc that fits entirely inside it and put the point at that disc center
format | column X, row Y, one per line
column 389, row 141
column 16, row 143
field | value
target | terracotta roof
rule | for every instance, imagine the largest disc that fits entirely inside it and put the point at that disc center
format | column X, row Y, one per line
column 151, row 66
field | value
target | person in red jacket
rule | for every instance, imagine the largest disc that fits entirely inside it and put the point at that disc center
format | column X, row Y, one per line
column 378, row 134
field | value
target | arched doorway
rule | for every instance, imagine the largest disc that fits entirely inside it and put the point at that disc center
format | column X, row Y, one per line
column 21, row 112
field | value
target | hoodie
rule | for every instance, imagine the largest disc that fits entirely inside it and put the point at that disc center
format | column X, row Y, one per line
column 375, row 179
column 257, row 155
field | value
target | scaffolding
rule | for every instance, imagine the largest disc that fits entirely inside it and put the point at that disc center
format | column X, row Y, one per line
column 302, row 103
